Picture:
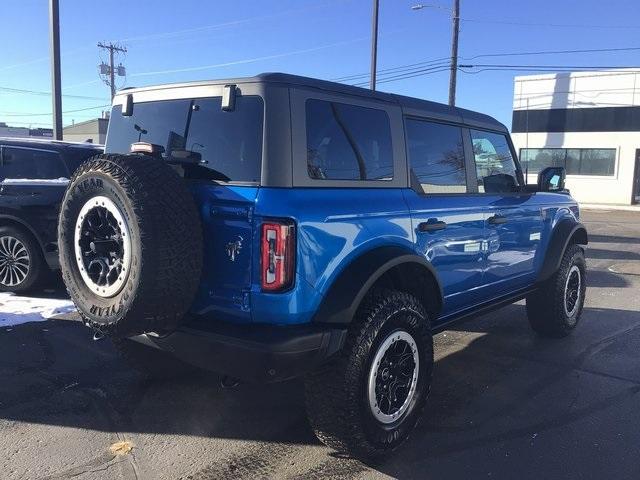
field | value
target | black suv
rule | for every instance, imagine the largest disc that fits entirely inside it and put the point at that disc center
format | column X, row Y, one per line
column 33, row 177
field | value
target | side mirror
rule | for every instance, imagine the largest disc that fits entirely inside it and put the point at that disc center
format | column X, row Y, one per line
column 551, row 179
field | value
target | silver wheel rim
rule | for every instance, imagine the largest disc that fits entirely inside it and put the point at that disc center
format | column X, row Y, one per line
column 572, row 291
column 102, row 246
column 15, row 262
column 388, row 404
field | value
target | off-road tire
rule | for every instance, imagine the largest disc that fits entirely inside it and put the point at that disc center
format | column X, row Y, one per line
column 165, row 237
column 546, row 307
column 336, row 394
column 37, row 266
column 152, row 362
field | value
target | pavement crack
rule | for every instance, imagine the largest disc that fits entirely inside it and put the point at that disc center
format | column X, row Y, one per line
column 100, row 463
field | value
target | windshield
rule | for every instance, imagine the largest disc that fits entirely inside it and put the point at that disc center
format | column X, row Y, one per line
column 224, row 145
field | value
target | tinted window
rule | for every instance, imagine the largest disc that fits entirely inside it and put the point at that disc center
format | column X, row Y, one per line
column 74, row 157
column 584, row 119
column 436, row 156
column 495, row 166
column 220, row 145
column 577, row 161
column 346, row 142
column 31, row 164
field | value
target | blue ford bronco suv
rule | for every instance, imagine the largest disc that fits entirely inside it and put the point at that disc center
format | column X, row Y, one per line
column 278, row 226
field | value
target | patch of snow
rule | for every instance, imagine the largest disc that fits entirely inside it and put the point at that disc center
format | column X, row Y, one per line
column 36, row 181
column 15, row 310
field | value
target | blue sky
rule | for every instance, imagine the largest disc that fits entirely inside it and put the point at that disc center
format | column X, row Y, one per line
column 171, row 41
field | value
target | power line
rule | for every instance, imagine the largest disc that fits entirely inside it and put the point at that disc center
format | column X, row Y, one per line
column 410, row 72
column 560, row 25
column 47, row 94
column 504, row 68
column 546, row 68
column 559, row 67
column 17, row 114
column 418, row 73
column 552, row 52
column 442, row 60
column 30, row 123
column 384, row 71
column 550, row 70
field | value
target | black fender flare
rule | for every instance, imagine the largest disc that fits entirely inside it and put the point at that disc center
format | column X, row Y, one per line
column 567, row 231
column 347, row 292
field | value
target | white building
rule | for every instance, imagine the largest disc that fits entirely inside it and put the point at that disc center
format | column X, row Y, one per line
column 587, row 122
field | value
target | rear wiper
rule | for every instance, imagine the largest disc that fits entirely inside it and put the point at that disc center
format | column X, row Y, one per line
column 198, row 172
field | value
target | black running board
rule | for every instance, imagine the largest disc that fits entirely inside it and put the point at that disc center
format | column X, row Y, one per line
column 482, row 309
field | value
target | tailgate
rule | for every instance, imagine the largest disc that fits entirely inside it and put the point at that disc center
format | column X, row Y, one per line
column 227, row 221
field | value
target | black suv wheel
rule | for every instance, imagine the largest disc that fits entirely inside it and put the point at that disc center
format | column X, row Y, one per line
column 21, row 263
column 368, row 400
column 555, row 309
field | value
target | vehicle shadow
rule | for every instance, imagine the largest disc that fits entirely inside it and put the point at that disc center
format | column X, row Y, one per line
column 495, row 382
column 613, row 239
column 606, row 254
column 500, row 387
column 606, row 279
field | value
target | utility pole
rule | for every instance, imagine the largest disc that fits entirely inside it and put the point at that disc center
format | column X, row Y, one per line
column 455, row 17
column 374, row 44
column 455, row 20
column 54, row 45
column 111, row 69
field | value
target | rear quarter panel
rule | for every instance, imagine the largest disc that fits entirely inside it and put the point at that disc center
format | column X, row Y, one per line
column 361, row 219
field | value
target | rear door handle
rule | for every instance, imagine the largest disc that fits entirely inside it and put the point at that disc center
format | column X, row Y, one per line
column 497, row 220
column 431, row 226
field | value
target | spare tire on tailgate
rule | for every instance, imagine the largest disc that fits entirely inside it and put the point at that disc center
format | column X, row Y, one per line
column 130, row 241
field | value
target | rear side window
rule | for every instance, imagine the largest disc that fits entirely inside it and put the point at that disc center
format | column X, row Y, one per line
column 495, row 166
column 436, row 156
column 348, row 142
column 219, row 145
column 74, row 157
column 23, row 163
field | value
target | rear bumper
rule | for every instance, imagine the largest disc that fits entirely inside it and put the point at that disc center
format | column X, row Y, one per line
column 252, row 353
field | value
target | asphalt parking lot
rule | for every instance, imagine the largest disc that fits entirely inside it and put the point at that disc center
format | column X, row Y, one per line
column 504, row 404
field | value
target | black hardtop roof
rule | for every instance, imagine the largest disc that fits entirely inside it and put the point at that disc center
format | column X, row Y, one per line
column 300, row 81
column 57, row 145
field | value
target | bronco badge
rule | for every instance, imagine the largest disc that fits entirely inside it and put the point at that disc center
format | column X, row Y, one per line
column 233, row 248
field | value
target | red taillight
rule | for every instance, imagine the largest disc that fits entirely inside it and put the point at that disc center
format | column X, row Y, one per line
column 278, row 255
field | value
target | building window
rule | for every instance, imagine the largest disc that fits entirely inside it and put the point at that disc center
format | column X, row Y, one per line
column 495, row 166
column 436, row 156
column 347, row 142
column 576, row 161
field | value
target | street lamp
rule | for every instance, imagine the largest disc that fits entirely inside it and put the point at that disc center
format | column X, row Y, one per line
column 455, row 19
